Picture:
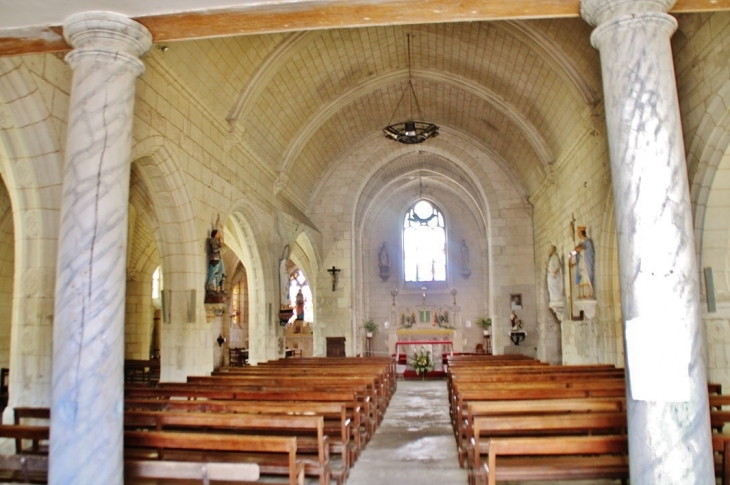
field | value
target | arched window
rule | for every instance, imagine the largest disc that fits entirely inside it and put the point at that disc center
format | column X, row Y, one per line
column 424, row 243
column 298, row 282
column 236, row 304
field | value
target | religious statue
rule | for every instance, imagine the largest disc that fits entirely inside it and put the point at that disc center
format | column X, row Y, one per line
column 299, row 305
column 384, row 261
column 464, row 259
column 216, row 270
column 584, row 259
column 554, row 276
column 516, row 322
column 383, row 256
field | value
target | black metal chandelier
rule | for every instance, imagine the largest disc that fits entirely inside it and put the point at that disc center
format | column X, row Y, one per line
column 411, row 131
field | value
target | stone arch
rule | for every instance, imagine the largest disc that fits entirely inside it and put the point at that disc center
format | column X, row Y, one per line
column 306, row 258
column 243, row 233
column 707, row 151
column 471, row 172
column 31, row 164
column 708, row 163
column 143, row 258
column 182, row 261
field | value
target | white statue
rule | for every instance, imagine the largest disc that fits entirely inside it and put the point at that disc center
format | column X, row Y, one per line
column 554, row 276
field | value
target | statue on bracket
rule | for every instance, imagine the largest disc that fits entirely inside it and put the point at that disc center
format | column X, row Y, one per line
column 582, row 290
column 555, row 283
column 554, row 276
column 464, row 259
column 214, row 291
column 384, row 262
column 584, row 260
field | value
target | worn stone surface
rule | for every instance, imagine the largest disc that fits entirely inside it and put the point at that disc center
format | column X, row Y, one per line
column 415, row 443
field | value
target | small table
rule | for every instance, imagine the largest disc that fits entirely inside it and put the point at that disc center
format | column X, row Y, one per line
column 288, row 353
column 517, row 336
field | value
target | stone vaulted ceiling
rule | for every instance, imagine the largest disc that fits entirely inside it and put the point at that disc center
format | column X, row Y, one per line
column 525, row 90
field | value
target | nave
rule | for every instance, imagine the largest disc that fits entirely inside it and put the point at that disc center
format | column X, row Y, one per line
column 415, row 443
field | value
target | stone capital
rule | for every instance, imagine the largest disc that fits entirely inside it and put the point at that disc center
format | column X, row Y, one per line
column 107, row 34
column 597, row 12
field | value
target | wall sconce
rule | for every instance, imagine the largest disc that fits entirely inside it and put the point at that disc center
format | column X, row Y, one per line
column 454, row 291
column 221, row 340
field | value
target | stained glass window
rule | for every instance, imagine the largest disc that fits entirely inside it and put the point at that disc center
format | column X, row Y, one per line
column 424, row 243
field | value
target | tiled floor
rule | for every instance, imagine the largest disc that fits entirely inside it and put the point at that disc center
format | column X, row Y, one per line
column 415, row 443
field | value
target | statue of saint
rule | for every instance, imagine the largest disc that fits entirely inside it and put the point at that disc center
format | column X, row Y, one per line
column 299, row 305
column 216, row 271
column 464, row 258
column 554, row 276
column 585, row 260
column 383, row 256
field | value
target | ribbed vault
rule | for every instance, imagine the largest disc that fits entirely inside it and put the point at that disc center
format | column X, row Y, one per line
column 525, row 90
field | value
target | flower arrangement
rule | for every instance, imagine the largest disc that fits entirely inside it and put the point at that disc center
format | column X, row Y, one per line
column 422, row 361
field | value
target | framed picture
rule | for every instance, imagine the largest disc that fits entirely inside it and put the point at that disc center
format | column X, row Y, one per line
column 515, row 301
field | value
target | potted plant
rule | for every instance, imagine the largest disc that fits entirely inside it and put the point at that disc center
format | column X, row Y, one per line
column 485, row 323
column 370, row 328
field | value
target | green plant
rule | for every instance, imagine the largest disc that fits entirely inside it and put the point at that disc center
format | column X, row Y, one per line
column 485, row 323
column 422, row 361
column 371, row 326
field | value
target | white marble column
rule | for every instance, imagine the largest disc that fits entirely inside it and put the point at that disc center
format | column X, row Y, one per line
column 668, row 411
column 88, row 332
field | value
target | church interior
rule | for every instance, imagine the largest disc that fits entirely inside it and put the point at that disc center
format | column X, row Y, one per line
column 259, row 212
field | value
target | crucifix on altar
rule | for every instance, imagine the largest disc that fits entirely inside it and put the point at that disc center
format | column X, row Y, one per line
column 334, row 272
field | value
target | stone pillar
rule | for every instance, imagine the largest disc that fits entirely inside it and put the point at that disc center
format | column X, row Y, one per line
column 668, row 410
column 88, row 331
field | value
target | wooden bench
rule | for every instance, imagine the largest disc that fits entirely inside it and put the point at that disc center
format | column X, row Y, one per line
column 20, row 416
column 365, row 387
column 312, row 443
column 527, row 394
column 23, row 469
column 567, row 458
column 275, row 455
column 360, row 404
column 558, row 427
column 506, row 409
column 344, row 443
column 172, row 471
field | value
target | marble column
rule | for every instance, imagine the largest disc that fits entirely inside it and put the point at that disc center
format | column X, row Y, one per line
column 668, row 410
column 88, row 333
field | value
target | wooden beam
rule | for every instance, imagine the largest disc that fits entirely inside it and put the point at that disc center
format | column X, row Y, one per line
column 314, row 15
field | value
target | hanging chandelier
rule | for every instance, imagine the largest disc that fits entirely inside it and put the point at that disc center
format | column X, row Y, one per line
column 411, row 131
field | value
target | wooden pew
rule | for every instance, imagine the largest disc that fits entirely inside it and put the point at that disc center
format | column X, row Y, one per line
column 363, row 386
column 557, row 427
column 275, row 455
column 581, row 458
column 171, row 471
column 378, row 374
column 339, row 421
column 312, row 443
column 537, row 393
column 20, row 416
column 506, row 409
column 23, row 469
column 365, row 430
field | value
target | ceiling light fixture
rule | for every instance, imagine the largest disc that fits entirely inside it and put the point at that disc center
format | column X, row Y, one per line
column 411, row 131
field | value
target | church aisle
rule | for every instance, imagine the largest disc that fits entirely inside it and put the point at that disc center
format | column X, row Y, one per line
column 415, row 443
